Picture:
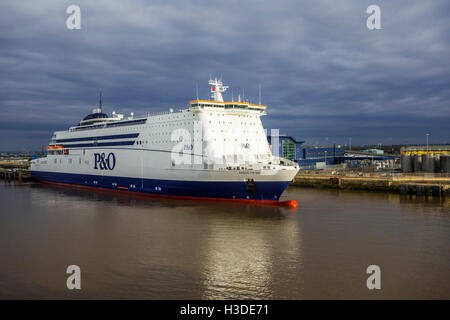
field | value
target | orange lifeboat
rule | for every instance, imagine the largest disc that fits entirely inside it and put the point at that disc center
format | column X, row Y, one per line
column 54, row 147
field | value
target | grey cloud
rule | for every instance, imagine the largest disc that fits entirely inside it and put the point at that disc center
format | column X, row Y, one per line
column 322, row 72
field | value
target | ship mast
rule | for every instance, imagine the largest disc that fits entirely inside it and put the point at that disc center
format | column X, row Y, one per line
column 100, row 101
column 216, row 89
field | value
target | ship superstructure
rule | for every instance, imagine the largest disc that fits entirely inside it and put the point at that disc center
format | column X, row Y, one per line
column 212, row 149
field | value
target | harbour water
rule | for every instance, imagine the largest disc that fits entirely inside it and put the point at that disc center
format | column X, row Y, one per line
column 147, row 248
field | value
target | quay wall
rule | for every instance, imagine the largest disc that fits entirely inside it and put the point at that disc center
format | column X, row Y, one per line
column 403, row 183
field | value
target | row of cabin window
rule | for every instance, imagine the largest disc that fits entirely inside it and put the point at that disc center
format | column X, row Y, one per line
column 239, row 115
column 250, row 123
column 54, row 152
column 55, row 160
column 166, row 125
column 102, row 126
column 226, row 106
column 174, row 142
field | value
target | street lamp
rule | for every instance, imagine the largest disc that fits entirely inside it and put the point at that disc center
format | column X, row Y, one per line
column 350, row 142
column 325, row 158
column 427, row 134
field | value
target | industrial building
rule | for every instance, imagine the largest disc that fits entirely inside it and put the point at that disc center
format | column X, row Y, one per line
column 285, row 147
column 308, row 157
column 370, row 158
column 317, row 157
column 433, row 158
column 374, row 151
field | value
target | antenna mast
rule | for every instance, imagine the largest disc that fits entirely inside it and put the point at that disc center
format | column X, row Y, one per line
column 196, row 88
column 259, row 94
column 100, row 101
column 216, row 89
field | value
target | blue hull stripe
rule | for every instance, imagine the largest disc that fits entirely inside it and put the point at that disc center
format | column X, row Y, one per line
column 117, row 136
column 150, row 150
column 99, row 144
column 270, row 190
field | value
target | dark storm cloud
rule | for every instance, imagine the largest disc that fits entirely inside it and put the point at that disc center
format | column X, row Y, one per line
column 324, row 75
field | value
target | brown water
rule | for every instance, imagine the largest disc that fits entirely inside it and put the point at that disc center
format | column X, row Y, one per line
column 134, row 247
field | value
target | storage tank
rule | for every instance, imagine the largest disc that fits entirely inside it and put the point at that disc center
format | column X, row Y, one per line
column 417, row 162
column 433, row 158
column 425, row 164
column 428, row 162
column 406, row 163
column 431, row 162
column 445, row 163
column 437, row 163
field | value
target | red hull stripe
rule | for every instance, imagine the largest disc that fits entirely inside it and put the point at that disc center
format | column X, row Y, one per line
column 288, row 203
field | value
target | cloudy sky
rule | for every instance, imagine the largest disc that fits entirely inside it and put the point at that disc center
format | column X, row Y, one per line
column 324, row 75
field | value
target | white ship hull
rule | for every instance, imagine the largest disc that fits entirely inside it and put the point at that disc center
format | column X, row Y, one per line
column 206, row 151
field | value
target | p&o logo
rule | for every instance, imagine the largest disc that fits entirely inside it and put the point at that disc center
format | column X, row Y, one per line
column 103, row 162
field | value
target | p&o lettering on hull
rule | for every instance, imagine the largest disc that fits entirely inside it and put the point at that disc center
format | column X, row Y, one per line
column 103, row 162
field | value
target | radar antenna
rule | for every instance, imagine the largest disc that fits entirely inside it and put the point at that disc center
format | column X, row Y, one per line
column 99, row 109
column 216, row 89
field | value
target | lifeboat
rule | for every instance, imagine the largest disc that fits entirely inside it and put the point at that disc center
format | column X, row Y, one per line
column 54, row 147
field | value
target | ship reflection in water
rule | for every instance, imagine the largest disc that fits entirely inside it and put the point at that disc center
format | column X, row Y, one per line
column 133, row 247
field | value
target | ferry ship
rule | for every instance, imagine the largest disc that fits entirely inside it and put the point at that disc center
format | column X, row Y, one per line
column 210, row 150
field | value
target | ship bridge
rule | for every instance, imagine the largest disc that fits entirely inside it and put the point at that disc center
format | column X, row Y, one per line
column 98, row 117
column 216, row 90
column 201, row 104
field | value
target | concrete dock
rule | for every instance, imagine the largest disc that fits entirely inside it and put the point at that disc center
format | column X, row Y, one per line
column 433, row 185
column 15, row 174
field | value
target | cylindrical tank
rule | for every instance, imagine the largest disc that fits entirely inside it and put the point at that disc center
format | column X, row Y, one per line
column 437, row 163
column 417, row 162
column 431, row 162
column 428, row 163
column 406, row 163
column 425, row 167
column 445, row 163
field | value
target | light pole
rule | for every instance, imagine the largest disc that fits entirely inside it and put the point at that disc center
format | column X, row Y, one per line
column 350, row 142
column 427, row 134
column 325, row 158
